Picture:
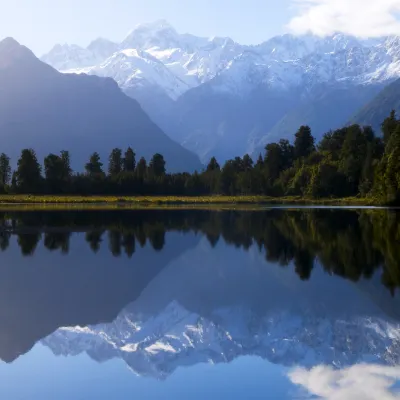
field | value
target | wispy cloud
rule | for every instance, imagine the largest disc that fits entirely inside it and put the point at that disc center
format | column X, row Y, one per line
column 366, row 382
column 363, row 18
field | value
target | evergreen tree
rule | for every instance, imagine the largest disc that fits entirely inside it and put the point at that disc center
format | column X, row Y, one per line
column 5, row 169
column 273, row 162
column 14, row 187
column 194, row 185
column 213, row 165
column 392, row 170
column 332, row 143
column 228, row 178
column 353, row 155
column 367, row 173
column 304, row 143
column 287, row 151
column 260, row 162
column 247, row 163
column 157, row 165
column 129, row 162
column 141, row 168
column 94, row 166
column 389, row 125
column 115, row 162
column 238, row 165
column 211, row 176
column 28, row 174
column 67, row 170
column 54, row 173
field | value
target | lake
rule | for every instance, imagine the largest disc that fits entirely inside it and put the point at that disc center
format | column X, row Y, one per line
column 277, row 303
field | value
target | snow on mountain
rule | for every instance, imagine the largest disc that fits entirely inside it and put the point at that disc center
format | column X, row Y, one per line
column 241, row 74
column 102, row 48
column 65, row 57
column 188, row 60
column 194, row 60
column 136, row 68
column 213, row 57
column 282, row 61
column 161, row 35
column 250, row 69
column 68, row 57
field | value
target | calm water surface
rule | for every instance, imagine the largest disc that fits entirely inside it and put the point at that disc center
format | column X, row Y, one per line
column 186, row 304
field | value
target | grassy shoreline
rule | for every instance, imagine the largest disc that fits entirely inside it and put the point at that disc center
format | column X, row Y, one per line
column 146, row 201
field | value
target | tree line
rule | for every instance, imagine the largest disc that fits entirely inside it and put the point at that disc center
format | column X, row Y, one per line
column 351, row 161
column 350, row 244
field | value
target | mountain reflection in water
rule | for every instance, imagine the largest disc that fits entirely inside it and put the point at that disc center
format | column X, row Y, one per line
column 311, row 290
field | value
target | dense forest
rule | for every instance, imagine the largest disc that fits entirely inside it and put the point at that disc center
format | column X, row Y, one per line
column 353, row 245
column 351, row 161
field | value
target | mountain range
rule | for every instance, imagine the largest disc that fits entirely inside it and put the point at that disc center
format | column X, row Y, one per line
column 217, row 97
column 48, row 111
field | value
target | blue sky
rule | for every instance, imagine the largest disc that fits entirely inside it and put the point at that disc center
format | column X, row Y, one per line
column 39, row 24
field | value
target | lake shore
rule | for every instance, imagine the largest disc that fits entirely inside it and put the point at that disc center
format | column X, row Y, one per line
column 149, row 201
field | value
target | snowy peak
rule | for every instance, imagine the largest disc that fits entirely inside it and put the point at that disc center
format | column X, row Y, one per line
column 159, row 34
column 132, row 68
column 102, row 48
column 287, row 47
column 153, row 28
column 190, row 60
column 282, row 62
column 67, row 57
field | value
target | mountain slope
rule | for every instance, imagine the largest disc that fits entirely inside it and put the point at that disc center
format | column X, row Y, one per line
column 223, row 125
column 327, row 108
column 49, row 111
column 380, row 107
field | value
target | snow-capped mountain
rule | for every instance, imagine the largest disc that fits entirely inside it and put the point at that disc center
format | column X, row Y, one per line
column 292, row 60
column 190, row 60
column 67, row 57
column 223, row 79
column 138, row 69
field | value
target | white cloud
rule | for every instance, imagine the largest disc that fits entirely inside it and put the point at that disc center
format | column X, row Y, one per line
column 359, row 382
column 363, row 18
